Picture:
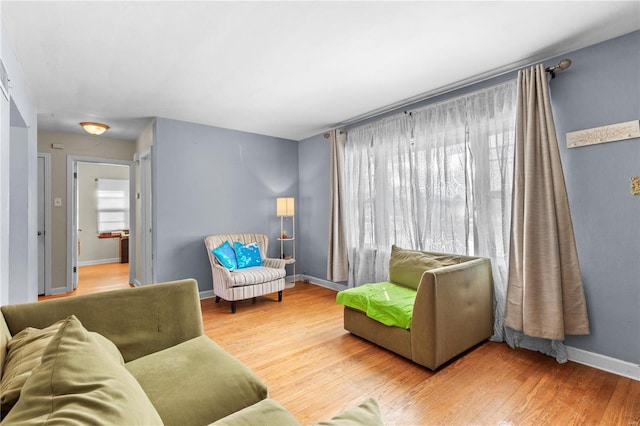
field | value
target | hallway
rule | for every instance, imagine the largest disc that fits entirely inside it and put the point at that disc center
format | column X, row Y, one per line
column 97, row 278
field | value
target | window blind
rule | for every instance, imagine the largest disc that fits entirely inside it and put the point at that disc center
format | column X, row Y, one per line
column 113, row 205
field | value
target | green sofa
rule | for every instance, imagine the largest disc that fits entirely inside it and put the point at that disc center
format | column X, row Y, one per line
column 133, row 356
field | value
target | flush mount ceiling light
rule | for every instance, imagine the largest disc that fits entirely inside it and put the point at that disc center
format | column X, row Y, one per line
column 94, row 128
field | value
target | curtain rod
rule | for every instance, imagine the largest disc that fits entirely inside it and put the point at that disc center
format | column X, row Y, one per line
column 328, row 135
column 563, row 65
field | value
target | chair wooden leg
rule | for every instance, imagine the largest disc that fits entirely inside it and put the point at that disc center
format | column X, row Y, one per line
column 280, row 296
column 217, row 299
column 233, row 307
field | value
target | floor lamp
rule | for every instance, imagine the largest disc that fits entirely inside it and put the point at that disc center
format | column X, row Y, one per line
column 285, row 207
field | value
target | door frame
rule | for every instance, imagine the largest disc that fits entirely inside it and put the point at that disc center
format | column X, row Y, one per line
column 46, row 156
column 72, row 217
column 146, row 219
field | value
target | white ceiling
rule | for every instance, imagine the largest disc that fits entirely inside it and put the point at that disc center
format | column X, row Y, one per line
column 287, row 69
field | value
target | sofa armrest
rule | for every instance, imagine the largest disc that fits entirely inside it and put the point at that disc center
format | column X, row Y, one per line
column 271, row 262
column 139, row 320
column 453, row 311
column 221, row 270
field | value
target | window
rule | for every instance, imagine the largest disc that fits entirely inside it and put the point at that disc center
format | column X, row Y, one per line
column 113, row 205
column 438, row 179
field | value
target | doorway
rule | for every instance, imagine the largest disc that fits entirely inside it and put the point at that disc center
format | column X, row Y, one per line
column 100, row 219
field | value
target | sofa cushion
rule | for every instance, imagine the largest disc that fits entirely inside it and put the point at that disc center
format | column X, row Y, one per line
column 77, row 383
column 387, row 303
column 24, row 353
column 226, row 255
column 256, row 275
column 407, row 266
column 366, row 413
column 247, row 255
column 196, row 382
column 265, row 412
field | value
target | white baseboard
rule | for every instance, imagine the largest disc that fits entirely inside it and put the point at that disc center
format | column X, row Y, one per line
column 322, row 283
column 605, row 363
column 57, row 290
column 99, row 261
column 207, row 294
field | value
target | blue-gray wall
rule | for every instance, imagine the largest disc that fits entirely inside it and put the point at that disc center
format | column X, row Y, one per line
column 209, row 180
column 601, row 87
column 313, row 231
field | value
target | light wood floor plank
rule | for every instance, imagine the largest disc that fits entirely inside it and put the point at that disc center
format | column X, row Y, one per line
column 624, row 404
column 97, row 278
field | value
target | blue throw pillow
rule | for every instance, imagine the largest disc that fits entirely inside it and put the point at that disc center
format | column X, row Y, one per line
column 247, row 255
column 226, row 255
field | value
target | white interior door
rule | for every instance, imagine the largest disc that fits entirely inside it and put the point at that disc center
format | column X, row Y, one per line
column 41, row 227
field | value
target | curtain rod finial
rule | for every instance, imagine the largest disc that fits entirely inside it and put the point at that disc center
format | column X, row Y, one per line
column 563, row 65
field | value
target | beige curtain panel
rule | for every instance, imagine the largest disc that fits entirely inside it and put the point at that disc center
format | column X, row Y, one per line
column 337, row 264
column 545, row 297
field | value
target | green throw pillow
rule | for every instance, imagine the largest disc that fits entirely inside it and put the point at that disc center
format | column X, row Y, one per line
column 367, row 413
column 78, row 383
column 265, row 412
column 24, row 353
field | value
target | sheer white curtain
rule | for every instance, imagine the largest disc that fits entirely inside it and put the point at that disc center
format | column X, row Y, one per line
column 438, row 179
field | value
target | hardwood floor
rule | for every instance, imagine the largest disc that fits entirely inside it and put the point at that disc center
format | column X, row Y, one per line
column 97, row 278
column 316, row 369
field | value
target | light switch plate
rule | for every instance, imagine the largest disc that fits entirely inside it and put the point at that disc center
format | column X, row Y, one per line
column 635, row 185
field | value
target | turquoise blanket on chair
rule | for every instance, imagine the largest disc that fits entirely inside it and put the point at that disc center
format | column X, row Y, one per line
column 387, row 303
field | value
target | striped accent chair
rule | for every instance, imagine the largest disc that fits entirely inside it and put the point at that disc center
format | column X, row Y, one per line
column 245, row 283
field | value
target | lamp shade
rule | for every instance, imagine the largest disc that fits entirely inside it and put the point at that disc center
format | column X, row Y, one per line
column 285, row 206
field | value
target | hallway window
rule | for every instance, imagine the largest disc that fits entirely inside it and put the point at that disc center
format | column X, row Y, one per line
column 113, row 205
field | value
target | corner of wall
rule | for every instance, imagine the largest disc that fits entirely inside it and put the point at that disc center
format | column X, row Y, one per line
column 22, row 101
